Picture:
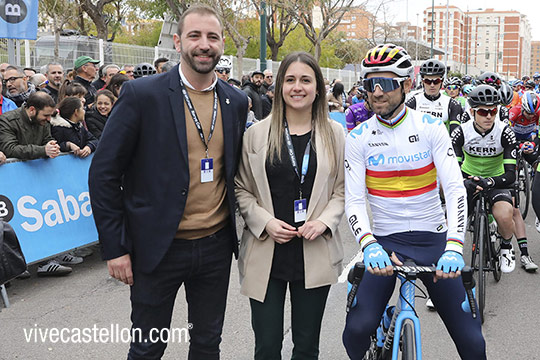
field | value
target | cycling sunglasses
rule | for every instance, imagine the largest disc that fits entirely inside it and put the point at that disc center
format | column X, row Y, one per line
column 223, row 71
column 385, row 84
column 432, row 81
column 452, row 87
column 485, row 112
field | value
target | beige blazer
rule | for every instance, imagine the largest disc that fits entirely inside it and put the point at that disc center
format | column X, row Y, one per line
column 323, row 256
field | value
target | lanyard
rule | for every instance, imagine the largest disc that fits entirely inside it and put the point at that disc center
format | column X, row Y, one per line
column 292, row 155
column 196, row 118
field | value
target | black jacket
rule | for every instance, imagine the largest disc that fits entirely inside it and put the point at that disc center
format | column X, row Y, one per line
column 90, row 96
column 252, row 91
column 63, row 131
column 95, row 122
column 139, row 178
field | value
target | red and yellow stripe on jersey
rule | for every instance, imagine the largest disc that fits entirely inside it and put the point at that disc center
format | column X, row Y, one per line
column 402, row 183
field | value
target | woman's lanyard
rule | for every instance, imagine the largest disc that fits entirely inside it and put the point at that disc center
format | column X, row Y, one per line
column 207, row 164
column 300, row 205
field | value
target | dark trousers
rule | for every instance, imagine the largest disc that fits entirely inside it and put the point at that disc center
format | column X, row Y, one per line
column 374, row 292
column 203, row 266
column 307, row 307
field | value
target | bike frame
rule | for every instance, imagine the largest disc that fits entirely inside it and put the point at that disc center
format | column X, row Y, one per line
column 406, row 312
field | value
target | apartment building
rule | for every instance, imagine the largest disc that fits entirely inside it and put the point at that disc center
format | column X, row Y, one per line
column 481, row 40
column 356, row 24
column 535, row 57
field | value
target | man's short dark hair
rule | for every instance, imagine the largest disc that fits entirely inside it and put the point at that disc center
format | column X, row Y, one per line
column 201, row 10
column 40, row 100
column 16, row 68
column 159, row 61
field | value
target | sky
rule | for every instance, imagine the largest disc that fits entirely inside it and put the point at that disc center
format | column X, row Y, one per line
column 531, row 8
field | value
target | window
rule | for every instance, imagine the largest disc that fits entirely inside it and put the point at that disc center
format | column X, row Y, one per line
column 487, row 57
column 353, row 18
column 353, row 26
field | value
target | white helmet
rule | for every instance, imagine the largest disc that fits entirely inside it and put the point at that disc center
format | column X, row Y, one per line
column 224, row 64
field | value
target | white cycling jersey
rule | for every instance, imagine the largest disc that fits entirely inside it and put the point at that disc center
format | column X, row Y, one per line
column 399, row 165
column 443, row 107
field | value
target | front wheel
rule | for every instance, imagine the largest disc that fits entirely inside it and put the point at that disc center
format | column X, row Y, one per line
column 408, row 348
column 524, row 187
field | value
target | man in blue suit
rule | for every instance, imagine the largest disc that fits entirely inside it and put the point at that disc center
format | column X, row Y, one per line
column 162, row 189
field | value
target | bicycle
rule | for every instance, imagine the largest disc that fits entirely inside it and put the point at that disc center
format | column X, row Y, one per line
column 522, row 184
column 395, row 332
column 485, row 251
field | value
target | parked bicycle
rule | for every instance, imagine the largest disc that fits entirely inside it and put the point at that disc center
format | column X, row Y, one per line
column 399, row 330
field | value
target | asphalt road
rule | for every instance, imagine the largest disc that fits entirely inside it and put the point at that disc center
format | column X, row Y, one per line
column 89, row 298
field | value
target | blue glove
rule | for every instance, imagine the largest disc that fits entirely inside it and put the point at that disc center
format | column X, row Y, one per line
column 375, row 256
column 450, row 261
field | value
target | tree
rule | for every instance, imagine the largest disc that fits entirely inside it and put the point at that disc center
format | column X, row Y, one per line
column 279, row 24
column 98, row 16
column 331, row 13
column 60, row 12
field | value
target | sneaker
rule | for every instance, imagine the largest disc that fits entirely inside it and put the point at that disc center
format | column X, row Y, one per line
column 83, row 252
column 69, row 259
column 53, row 268
column 430, row 305
column 528, row 264
column 507, row 259
column 537, row 224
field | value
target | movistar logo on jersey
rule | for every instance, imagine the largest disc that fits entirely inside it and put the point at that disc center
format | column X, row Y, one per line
column 357, row 131
column 427, row 118
column 400, row 159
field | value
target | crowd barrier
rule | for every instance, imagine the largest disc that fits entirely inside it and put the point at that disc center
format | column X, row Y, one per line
column 47, row 203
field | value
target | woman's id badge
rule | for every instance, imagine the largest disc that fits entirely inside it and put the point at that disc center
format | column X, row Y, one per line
column 207, row 170
column 300, row 210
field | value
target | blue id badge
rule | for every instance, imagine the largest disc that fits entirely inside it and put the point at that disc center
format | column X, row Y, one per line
column 207, row 170
column 300, row 210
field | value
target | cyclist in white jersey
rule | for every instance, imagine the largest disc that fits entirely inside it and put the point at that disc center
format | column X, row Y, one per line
column 397, row 156
column 431, row 100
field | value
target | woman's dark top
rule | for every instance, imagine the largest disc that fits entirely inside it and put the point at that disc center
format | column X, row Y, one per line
column 95, row 122
column 288, row 261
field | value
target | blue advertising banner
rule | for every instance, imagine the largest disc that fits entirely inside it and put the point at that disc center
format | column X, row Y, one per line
column 47, row 203
column 18, row 19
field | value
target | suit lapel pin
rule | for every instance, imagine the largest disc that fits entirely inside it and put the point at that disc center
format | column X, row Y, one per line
column 227, row 101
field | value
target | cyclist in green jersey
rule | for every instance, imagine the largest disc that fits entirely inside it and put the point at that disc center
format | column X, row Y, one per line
column 486, row 151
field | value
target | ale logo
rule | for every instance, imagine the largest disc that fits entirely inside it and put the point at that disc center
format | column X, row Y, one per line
column 6, row 209
column 13, row 11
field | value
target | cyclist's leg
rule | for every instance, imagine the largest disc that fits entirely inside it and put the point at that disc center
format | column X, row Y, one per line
column 267, row 321
column 502, row 209
column 372, row 296
column 307, row 307
column 447, row 296
column 362, row 320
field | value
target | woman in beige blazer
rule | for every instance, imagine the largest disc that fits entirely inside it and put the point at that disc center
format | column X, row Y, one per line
column 290, row 190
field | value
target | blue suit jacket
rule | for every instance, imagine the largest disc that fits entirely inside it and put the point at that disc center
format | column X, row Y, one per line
column 139, row 177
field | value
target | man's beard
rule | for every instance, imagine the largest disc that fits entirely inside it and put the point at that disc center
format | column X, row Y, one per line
column 392, row 108
column 200, row 68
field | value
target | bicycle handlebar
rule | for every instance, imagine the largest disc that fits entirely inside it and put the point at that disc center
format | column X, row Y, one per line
column 410, row 270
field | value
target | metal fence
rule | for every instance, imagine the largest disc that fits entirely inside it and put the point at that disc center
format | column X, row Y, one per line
column 36, row 53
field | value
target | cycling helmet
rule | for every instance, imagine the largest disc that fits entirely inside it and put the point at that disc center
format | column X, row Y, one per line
column 530, row 102
column 490, row 78
column 530, row 84
column 506, row 94
column 525, row 78
column 387, row 57
column 224, row 63
column 467, row 79
column 467, row 89
column 143, row 69
column 453, row 81
column 483, row 95
column 432, row 67
column 536, row 75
